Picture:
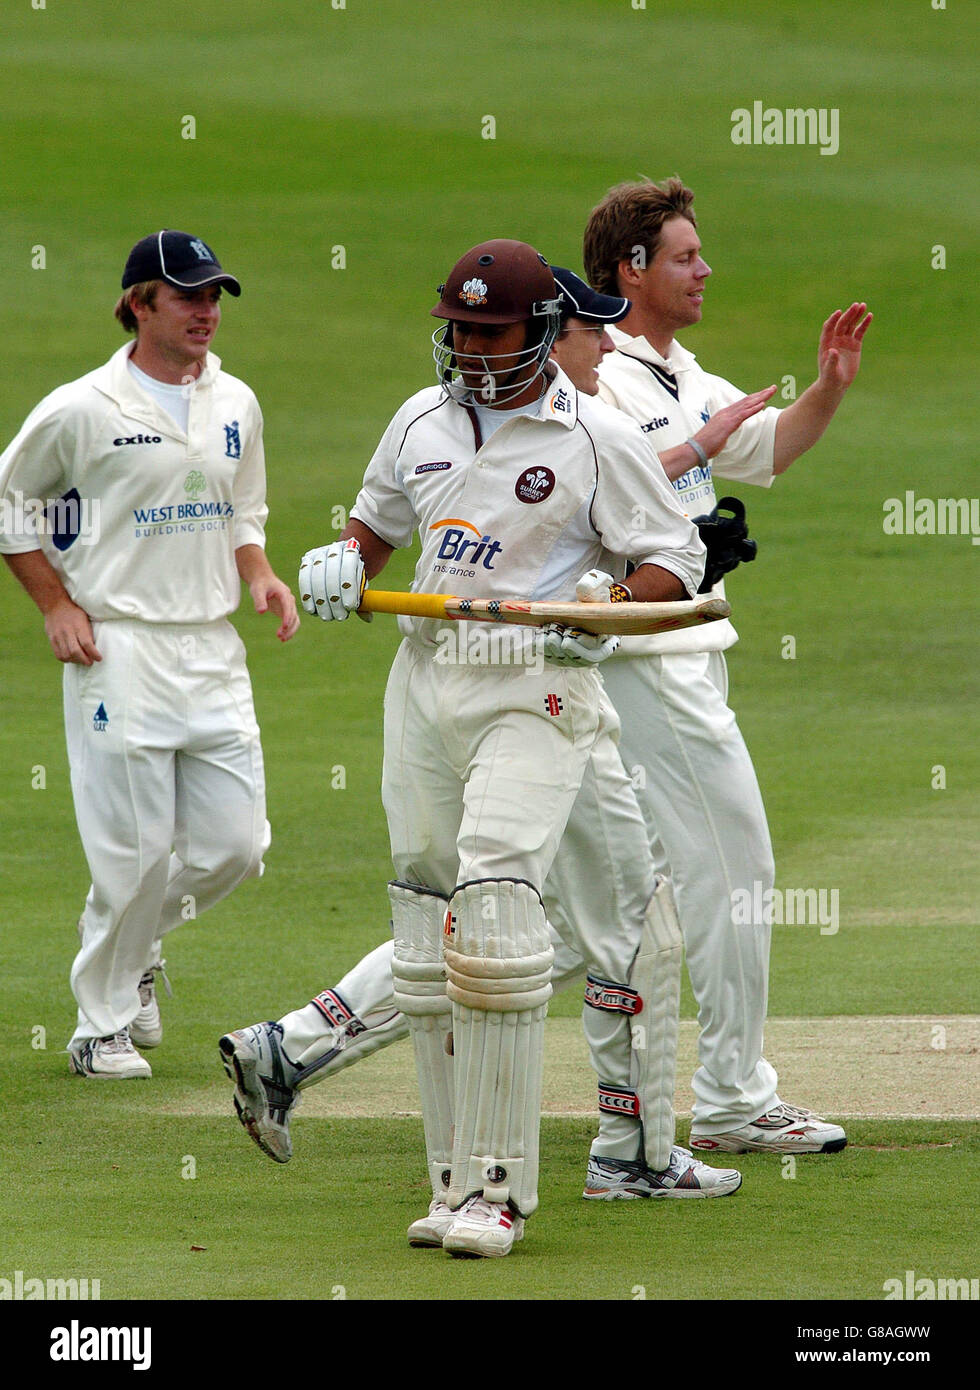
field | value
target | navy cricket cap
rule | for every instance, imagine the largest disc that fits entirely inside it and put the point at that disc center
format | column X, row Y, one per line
column 581, row 301
column 184, row 261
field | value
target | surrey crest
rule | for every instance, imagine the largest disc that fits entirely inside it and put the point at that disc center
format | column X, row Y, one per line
column 473, row 292
column 534, row 485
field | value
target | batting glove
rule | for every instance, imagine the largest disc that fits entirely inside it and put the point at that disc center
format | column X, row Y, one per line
column 594, row 587
column 571, row 646
column 332, row 580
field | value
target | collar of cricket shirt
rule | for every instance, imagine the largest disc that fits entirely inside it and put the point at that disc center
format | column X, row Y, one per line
column 679, row 358
column 122, row 385
column 560, row 401
column 116, row 381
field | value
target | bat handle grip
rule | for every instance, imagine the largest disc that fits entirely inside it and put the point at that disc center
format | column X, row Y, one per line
column 413, row 605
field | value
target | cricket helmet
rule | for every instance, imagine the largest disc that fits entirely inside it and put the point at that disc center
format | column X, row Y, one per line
column 499, row 282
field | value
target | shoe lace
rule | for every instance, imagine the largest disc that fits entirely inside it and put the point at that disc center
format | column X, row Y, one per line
column 791, row 1112
column 118, row 1042
column 146, row 981
column 681, row 1162
column 479, row 1206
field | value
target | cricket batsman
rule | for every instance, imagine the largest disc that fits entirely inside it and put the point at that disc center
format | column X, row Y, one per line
column 612, row 919
column 513, row 486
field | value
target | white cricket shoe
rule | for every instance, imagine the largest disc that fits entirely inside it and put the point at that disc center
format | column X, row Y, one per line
column 430, row 1230
column 480, row 1228
column 610, row 1178
column 264, row 1092
column 785, row 1129
column 108, row 1059
column 146, row 1029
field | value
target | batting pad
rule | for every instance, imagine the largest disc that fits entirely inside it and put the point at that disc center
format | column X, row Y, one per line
column 419, row 978
column 656, row 977
column 498, row 958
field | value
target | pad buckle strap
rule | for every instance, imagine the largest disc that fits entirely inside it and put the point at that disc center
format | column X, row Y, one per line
column 607, row 995
column 619, row 1100
column 337, row 1013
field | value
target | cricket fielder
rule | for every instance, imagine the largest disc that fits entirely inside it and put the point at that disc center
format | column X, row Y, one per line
column 164, row 451
column 698, row 791
column 512, row 487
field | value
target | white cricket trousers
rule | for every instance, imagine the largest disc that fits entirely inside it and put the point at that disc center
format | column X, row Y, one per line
column 700, row 798
column 482, row 766
column 169, row 792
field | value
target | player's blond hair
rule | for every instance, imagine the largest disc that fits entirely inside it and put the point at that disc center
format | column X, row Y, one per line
column 630, row 219
column 145, row 294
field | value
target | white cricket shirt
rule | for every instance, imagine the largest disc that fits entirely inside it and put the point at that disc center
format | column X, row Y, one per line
column 148, row 515
column 528, row 512
column 671, row 398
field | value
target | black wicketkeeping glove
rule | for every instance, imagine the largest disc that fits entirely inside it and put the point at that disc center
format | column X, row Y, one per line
column 726, row 539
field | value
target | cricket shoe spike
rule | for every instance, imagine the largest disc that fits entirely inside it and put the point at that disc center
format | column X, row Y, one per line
column 146, row 1029
column 430, row 1230
column 785, row 1129
column 265, row 1094
column 611, row 1178
column 108, row 1059
column 481, row 1228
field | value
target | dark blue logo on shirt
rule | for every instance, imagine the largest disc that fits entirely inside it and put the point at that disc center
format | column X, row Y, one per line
column 233, row 443
column 63, row 518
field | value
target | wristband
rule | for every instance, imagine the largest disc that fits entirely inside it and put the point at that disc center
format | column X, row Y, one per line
column 619, row 593
column 702, row 456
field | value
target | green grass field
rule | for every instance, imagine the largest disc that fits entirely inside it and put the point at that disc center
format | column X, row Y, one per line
column 361, row 129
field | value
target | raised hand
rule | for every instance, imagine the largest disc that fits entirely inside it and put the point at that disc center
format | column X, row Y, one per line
column 839, row 354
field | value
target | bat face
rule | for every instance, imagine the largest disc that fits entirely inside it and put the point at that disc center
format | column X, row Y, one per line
column 626, row 619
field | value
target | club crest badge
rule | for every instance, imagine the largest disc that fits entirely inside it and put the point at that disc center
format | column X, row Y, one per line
column 474, row 292
column 534, row 485
column 233, row 443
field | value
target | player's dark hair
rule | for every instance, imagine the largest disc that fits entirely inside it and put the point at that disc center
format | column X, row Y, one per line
column 630, row 221
column 145, row 293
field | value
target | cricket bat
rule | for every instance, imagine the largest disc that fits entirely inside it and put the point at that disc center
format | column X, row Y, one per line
column 626, row 619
